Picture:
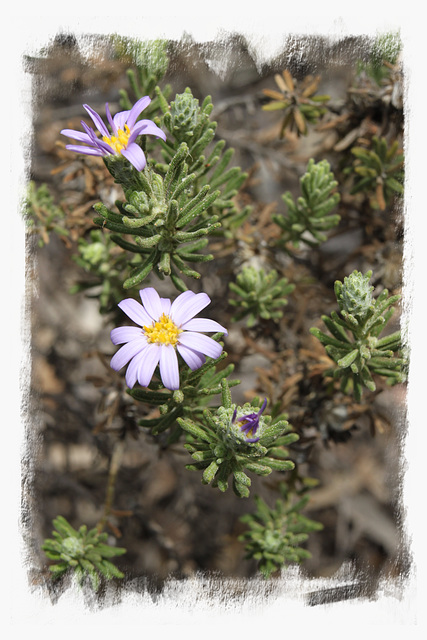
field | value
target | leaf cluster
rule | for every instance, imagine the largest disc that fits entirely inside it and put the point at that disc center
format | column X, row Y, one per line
column 383, row 56
column 81, row 551
column 163, row 215
column 151, row 61
column 100, row 257
column 259, row 295
column 298, row 101
column 354, row 343
column 189, row 122
column 172, row 206
column 310, row 214
column 42, row 215
column 274, row 535
column 219, row 452
column 378, row 171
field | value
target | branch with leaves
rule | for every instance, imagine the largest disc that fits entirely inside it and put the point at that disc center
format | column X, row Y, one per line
column 354, row 343
column 274, row 535
column 310, row 214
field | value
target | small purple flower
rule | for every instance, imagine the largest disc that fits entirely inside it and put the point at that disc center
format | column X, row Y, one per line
column 125, row 129
column 250, row 423
column 165, row 327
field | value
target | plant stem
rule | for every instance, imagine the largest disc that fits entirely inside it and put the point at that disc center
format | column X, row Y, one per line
column 115, row 462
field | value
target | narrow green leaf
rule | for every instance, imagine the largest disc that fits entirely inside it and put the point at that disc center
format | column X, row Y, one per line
column 347, row 360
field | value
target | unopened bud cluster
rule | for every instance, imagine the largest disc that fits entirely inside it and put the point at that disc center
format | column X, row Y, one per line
column 355, row 295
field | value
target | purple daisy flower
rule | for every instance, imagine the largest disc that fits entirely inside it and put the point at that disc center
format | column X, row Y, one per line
column 250, row 423
column 125, row 130
column 165, row 327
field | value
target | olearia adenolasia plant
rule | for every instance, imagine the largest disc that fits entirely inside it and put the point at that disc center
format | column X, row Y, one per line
column 354, row 343
column 179, row 190
column 275, row 535
column 234, row 439
column 259, row 295
column 310, row 214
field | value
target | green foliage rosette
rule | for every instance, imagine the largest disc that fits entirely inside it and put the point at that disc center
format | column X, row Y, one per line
column 233, row 439
column 275, row 535
column 83, row 552
column 354, row 343
column 378, row 171
column 259, row 295
column 309, row 216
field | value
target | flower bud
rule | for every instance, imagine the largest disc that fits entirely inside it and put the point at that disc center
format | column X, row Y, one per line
column 355, row 295
column 184, row 112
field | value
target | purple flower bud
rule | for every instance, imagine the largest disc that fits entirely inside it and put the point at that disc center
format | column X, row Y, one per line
column 250, row 423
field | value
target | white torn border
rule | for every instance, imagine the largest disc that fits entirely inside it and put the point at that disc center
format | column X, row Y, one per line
column 183, row 606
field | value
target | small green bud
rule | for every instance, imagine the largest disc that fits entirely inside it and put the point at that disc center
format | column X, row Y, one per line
column 184, row 112
column 73, row 547
column 178, row 396
column 355, row 295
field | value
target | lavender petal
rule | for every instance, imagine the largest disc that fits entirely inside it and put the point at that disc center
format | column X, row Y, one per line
column 137, row 108
column 120, row 335
column 135, row 155
column 193, row 358
column 148, row 364
column 147, row 128
column 77, row 135
column 193, row 306
column 125, row 353
column 166, row 306
column 200, row 343
column 110, row 119
column 169, row 371
column 152, row 303
column 89, row 151
column 97, row 120
column 203, row 324
column 132, row 371
column 135, row 311
column 119, row 119
column 180, row 303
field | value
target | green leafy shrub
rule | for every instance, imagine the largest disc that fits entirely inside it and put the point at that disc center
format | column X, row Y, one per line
column 354, row 343
column 83, row 552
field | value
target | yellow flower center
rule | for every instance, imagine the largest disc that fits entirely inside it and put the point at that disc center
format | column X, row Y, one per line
column 164, row 331
column 120, row 141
